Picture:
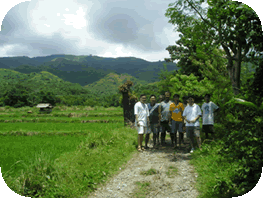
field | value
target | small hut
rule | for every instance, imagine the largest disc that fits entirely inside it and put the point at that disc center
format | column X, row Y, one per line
column 45, row 107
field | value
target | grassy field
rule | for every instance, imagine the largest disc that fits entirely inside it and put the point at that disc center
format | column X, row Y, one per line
column 62, row 119
column 46, row 155
column 64, row 154
column 57, row 127
column 25, row 148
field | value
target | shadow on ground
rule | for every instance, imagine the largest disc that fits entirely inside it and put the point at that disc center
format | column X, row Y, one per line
column 174, row 154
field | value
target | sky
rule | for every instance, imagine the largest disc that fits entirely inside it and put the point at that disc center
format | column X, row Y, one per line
column 106, row 28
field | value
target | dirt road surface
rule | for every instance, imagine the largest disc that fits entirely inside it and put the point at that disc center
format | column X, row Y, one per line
column 169, row 175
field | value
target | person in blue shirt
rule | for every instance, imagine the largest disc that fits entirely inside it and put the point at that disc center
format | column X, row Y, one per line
column 154, row 121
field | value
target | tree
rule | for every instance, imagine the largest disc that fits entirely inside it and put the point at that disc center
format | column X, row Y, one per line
column 48, row 97
column 230, row 25
column 147, row 89
column 212, row 67
column 128, row 101
column 16, row 96
column 256, row 87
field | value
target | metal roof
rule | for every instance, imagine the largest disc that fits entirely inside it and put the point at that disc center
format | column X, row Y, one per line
column 44, row 105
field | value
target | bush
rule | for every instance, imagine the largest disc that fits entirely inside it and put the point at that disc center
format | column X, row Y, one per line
column 243, row 142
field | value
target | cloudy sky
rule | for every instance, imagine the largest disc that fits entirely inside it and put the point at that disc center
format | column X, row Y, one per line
column 108, row 28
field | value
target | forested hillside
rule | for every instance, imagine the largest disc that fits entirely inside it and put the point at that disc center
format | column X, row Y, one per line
column 86, row 69
column 110, row 83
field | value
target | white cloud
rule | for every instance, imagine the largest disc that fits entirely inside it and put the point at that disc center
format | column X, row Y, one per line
column 11, row 47
column 118, row 53
column 125, row 28
column 78, row 21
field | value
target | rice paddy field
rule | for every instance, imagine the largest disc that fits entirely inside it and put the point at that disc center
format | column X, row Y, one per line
column 65, row 153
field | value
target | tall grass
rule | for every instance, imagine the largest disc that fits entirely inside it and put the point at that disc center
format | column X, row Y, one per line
column 77, row 172
column 212, row 169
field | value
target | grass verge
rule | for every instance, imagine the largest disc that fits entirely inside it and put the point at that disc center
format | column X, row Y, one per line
column 214, row 172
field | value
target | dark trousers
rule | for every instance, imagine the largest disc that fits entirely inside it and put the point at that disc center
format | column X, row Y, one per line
column 164, row 127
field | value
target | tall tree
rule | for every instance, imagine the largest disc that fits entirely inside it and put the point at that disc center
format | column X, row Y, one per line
column 230, row 25
column 257, row 85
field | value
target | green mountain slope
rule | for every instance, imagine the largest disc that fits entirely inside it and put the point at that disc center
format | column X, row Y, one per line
column 39, row 81
column 110, row 83
column 87, row 69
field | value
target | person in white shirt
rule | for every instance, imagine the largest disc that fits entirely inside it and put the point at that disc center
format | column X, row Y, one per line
column 141, row 113
column 208, row 109
column 161, row 98
column 191, row 114
column 185, row 103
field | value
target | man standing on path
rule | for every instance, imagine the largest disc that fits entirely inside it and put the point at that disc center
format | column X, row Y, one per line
column 154, row 120
column 185, row 103
column 141, row 113
column 175, row 114
column 191, row 114
column 163, row 116
column 208, row 109
column 161, row 98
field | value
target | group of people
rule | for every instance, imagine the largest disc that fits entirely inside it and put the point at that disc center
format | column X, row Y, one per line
column 173, row 116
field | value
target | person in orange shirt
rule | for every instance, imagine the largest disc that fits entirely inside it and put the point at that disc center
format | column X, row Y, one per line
column 175, row 115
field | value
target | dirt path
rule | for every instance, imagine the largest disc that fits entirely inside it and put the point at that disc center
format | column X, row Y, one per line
column 166, row 182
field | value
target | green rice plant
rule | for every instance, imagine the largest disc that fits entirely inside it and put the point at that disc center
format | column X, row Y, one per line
column 62, row 119
column 56, row 127
column 96, row 108
column 18, row 151
column 24, row 148
column 50, row 164
column 64, row 114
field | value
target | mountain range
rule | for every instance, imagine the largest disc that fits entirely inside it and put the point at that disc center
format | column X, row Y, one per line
column 68, row 74
column 86, row 70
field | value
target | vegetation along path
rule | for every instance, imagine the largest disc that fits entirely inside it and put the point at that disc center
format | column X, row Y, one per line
column 162, row 172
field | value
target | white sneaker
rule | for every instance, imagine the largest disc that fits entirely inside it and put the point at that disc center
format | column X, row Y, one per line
column 192, row 150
